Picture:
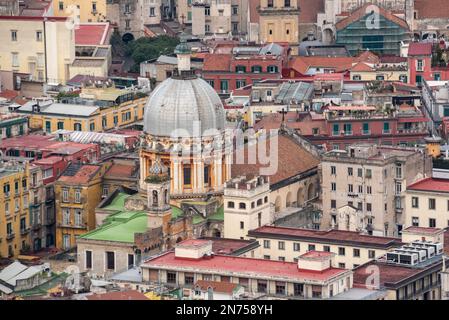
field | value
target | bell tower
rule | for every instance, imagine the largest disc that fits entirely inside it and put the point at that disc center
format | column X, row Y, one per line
column 158, row 195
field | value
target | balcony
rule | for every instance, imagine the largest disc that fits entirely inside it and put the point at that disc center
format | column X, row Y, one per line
column 10, row 236
column 366, row 132
column 388, row 131
column 24, row 231
column 36, row 226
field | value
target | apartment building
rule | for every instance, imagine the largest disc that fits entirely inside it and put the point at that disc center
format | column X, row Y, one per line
column 42, row 47
column 192, row 260
column 12, row 124
column 246, row 207
column 211, row 17
column 427, row 203
column 81, row 10
column 370, row 179
column 351, row 249
column 107, row 110
column 77, row 194
column 14, row 214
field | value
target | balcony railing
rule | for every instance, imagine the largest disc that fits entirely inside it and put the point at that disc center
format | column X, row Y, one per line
column 385, row 131
column 10, row 236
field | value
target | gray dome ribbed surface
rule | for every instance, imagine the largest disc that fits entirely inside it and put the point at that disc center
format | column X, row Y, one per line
column 178, row 103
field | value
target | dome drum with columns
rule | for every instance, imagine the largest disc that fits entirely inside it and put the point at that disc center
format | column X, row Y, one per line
column 184, row 126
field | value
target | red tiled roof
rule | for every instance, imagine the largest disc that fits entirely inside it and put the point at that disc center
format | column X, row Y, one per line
column 329, row 236
column 368, row 57
column 48, row 161
column 292, row 160
column 361, row 67
column 362, row 11
column 9, row 94
column 217, row 62
column 426, row 230
column 430, row 184
column 224, row 287
column 122, row 295
column 428, row 9
column 392, row 59
column 92, row 34
column 420, row 49
column 304, row 124
column 120, row 170
column 261, row 267
column 30, row 142
column 303, row 64
column 83, row 175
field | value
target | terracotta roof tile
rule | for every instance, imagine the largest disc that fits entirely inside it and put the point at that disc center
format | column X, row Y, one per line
column 292, row 160
column 430, row 184
column 303, row 64
column 83, row 175
column 217, row 62
column 361, row 67
column 420, row 49
column 120, row 170
column 92, row 33
column 224, row 287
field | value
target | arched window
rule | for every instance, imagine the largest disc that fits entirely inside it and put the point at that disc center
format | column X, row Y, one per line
column 242, row 205
column 259, row 202
column 265, row 199
column 256, row 69
column 166, row 197
column 154, row 198
column 230, row 204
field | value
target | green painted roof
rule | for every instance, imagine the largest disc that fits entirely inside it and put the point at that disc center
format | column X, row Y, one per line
column 176, row 212
column 120, row 227
column 118, row 203
column 197, row 219
column 219, row 215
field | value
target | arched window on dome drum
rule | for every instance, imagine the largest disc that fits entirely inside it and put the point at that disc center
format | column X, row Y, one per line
column 166, row 196
column 256, row 69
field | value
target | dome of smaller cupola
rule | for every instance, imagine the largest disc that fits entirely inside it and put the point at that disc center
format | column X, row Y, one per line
column 158, row 168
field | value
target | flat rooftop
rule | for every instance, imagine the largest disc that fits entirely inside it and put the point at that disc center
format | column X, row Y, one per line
column 330, row 236
column 221, row 264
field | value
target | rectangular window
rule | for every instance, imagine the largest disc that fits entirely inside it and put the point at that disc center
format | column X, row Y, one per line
column 187, row 176
column 341, row 251
column 431, row 204
column 336, row 129
column 371, row 254
column 39, row 36
column 224, row 86
column 386, row 129
column 415, row 202
column 261, row 286
column 110, row 260
column 296, row 246
column 189, row 279
column 266, row 244
column 171, row 277
column 356, row 253
column 88, row 259
column 365, row 129
column 333, row 186
column 15, row 59
column 242, row 225
column 327, row 248
column 280, row 288
column 432, row 223
column 333, row 204
column 65, row 195
column 333, row 170
column 350, row 172
column 415, row 221
column 281, row 245
column 13, row 35
column 311, row 247
column 78, row 196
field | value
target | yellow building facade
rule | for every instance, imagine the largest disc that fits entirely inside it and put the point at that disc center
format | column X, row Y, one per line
column 86, row 118
column 77, row 194
column 82, row 10
column 42, row 49
column 14, row 213
column 279, row 21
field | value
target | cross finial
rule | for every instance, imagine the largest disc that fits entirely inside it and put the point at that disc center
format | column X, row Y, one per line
column 283, row 112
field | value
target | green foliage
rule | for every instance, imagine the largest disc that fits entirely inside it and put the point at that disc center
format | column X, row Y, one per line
column 145, row 48
column 63, row 95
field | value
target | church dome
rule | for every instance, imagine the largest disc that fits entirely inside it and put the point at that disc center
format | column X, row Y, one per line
column 180, row 101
